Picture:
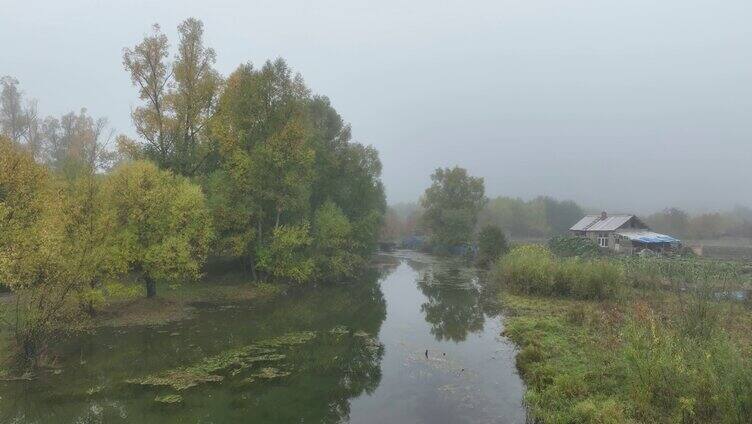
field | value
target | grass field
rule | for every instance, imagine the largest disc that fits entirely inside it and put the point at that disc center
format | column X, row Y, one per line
column 646, row 353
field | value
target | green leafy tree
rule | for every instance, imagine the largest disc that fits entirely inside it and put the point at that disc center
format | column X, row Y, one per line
column 492, row 244
column 264, row 159
column 452, row 204
column 286, row 257
column 347, row 173
column 333, row 244
column 163, row 225
column 281, row 154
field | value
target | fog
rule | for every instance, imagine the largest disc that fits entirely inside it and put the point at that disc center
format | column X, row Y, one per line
column 630, row 106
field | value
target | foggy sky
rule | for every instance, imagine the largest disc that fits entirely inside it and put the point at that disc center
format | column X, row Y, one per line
column 619, row 105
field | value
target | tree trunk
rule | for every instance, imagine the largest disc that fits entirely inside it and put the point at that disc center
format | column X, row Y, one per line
column 253, row 268
column 151, row 287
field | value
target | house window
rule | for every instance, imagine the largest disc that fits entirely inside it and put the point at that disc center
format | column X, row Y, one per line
column 603, row 240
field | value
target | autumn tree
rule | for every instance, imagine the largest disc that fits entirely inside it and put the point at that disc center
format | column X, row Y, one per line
column 151, row 74
column 193, row 98
column 179, row 97
column 36, row 263
column 163, row 227
column 452, row 204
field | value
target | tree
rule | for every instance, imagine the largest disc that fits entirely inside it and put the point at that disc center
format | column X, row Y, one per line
column 12, row 119
column 286, row 256
column 452, row 204
column 146, row 63
column 194, row 97
column 281, row 171
column 281, row 155
column 163, row 225
column 35, row 260
column 560, row 215
column 179, row 97
column 76, row 144
column 672, row 221
column 333, row 245
column 492, row 244
column 264, row 160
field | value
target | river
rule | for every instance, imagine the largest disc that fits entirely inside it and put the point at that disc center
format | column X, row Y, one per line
column 415, row 341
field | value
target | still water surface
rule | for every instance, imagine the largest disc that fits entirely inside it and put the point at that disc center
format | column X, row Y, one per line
column 417, row 341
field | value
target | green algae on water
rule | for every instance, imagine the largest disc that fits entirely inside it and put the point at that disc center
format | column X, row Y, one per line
column 169, row 399
column 268, row 373
column 233, row 362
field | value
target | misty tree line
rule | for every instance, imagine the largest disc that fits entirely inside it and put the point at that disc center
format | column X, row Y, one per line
column 540, row 217
column 252, row 167
column 544, row 217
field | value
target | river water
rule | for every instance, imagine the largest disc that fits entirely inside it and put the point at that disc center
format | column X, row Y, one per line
column 415, row 341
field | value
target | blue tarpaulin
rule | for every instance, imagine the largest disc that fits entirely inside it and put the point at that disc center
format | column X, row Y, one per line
column 648, row 237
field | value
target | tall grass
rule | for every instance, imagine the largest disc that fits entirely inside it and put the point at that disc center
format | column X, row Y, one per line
column 684, row 272
column 533, row 269
column 674, row 371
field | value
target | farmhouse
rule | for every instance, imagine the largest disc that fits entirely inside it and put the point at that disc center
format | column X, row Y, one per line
column 622, row 233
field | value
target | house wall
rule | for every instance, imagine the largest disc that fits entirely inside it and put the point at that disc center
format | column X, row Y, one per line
column 625, row 245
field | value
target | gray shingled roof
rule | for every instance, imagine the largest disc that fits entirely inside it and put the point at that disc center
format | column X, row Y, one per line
column 595, row 223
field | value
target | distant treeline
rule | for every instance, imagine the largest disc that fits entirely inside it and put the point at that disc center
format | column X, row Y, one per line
column 544, row 217
column 540, row 217
column 734, row 223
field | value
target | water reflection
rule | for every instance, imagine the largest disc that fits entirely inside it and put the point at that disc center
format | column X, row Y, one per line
column 454, row 299
column 324, row 374
column 362, row 365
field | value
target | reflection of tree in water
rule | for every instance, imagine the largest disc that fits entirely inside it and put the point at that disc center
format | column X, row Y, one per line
column 325, row 373
column 453, row 306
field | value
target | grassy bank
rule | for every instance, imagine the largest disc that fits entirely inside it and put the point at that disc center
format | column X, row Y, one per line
column 128, row 306
column 642, row 354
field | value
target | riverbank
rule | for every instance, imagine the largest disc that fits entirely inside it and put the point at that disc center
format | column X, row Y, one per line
column 175, row 303
column 647, row 356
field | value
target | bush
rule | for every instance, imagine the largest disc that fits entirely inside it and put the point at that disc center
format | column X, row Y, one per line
column 567, row 246
column 491, row 245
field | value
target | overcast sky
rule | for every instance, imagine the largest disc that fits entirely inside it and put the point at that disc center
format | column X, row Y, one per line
column 620, row 105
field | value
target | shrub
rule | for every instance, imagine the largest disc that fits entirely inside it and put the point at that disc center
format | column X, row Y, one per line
column 566, row 246
column 491, row 245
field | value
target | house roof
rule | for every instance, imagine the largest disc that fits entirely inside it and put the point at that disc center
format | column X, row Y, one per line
column 585, row 222
column 646, row 236
column 595, row 223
